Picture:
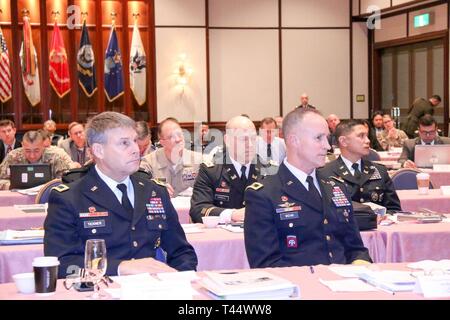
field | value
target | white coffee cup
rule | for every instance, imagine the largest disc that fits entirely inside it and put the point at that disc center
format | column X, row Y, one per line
column 24, row 282
column 211, row 221
column 423, row 182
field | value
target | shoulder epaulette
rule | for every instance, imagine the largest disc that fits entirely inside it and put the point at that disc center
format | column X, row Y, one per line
column 61, row 188
column 159, row 182
column 208, row 164
column 255, row 186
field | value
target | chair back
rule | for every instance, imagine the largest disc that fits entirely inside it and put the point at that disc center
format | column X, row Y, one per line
column 44, row 193
column 405, row 179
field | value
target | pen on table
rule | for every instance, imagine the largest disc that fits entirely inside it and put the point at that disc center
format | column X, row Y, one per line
column 311, row 268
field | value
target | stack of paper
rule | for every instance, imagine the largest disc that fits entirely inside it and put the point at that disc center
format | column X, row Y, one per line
column 192, row 228
column 31, row 191
column 431, row 265
column 32, row 208
column 233, row 228
column 392, row 281
column 145, row 287
column 21, row 237
column 249, row 285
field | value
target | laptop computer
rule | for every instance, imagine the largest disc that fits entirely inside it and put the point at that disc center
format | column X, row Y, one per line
column 427, row 155
column 24, row 176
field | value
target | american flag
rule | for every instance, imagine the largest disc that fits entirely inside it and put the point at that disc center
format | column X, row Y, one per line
column 5, row 71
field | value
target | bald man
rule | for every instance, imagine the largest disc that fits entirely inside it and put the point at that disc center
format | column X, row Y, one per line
column 220, row 184
column 304, row 100
column 332, row 120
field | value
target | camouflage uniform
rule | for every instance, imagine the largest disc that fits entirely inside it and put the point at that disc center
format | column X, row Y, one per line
column 182, row 176
column 59, row 164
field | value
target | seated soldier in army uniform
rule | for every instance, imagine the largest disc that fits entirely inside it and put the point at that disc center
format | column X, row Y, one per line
column 134, row 216
column 298, row 217
column 365, row 180
column 173, row 163
column 220, row 184
column 33, row 150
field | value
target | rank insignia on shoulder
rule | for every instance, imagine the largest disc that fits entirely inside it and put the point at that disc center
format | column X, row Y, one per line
column 255, row 186
column 159, row 182
column 208, row 164
column 61, row 188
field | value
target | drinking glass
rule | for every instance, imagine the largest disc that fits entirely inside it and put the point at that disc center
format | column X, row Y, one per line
column 95, row 264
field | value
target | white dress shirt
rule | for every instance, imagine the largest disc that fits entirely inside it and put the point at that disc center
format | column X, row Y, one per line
column 301, row 176
column 112, row 184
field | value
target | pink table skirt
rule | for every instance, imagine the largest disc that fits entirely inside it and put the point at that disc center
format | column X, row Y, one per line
column 411, row 200
column 11, row 218
column 215, row 248
column 9, row 198
column 440, row 178
column 309, row 284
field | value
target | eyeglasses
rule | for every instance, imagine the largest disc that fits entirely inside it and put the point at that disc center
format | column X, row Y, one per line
column 427, row 133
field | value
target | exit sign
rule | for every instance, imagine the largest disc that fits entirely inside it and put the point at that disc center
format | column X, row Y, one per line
column 421, row 20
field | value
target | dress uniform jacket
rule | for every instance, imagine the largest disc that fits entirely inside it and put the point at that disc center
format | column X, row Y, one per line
column 181, row 177
column 374, row 186
column 218, row 187
column 88, row 209
column 410, row 146
column 285, row 227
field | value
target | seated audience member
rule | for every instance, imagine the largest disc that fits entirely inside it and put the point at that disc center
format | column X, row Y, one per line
column 32, row 151
column 304, row 102
column 206, row 139
column 173, row 163
column 427, row 135
column 391, row 137
column 47, row 144
column 377, row 122
column 269, row 146
column 8, row 138
column 374, row 143
column 50, row 127
column 418, row 109
column 144, row 138
column 367, row 181
column 219, row 186
column 75, row 145
column 279, row 121
column 332, row 120
column 134, row 216
column 298, row 217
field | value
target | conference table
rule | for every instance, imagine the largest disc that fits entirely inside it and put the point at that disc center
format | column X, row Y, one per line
column 309, row 283
column 221, row 249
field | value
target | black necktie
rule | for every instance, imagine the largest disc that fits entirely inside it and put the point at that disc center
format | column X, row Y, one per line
column 126, row 204
column 428, row 143
column 357, row 174
column 243, row 176
column 312, row 188
column 269, row 150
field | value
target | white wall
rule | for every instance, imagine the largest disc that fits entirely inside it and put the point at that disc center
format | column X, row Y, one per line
column 244, row 58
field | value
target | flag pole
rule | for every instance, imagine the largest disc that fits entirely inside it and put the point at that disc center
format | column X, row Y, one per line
column 84, row 18
column 113, row 26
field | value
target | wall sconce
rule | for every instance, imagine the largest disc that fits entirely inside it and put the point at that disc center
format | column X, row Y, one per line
column 183, row 72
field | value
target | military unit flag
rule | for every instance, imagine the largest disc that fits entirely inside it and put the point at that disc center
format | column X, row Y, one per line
column 58, row 65
column 113, row 68
column 5, row 71
column 138, row 67
column 29, row 65
column 86, row 64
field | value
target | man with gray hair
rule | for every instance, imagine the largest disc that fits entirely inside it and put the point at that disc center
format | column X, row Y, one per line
column 33, row 150
column 133, row 215
column 298, row 217
column 220, row 184
column 144, row 138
